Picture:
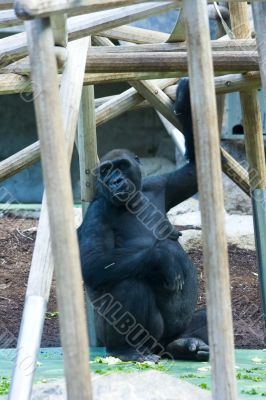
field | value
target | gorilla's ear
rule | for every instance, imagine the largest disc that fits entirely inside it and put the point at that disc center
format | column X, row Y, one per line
column 137, row 159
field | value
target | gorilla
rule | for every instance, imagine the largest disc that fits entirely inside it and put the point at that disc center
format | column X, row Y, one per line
column 141, row 282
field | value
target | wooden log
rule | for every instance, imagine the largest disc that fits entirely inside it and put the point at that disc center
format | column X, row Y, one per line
column 235, row 61
column 42, row 266
column 227, row 84
column 217, row 45
column 28, row 9
column 8, row 18
column 60, row 210
column 135, row 35
column 6, row 4
column 235, row 172
column 87, row 146
column 209, row 174
column 22, row 67
column 19, row 161
column 250, row 106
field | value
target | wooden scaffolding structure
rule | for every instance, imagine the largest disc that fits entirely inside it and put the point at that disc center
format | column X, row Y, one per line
column 54, row 59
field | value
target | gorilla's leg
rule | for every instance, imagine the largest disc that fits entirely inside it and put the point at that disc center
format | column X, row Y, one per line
column 130, row 318
column 193, row 343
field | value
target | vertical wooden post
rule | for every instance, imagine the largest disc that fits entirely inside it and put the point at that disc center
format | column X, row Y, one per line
column 211, row 200
column 87, row 146
column 88, row 159
column 60, row 209
column 253, row 131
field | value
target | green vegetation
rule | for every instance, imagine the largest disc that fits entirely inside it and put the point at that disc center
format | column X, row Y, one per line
column 204, row 386
column 50, row 315
column 253, row 392
column 249, row 377
column 4, row 385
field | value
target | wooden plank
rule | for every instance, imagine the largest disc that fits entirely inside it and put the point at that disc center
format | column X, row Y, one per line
column 250, row 106
column 60, row 210
column 28, row 9
column 209, row 174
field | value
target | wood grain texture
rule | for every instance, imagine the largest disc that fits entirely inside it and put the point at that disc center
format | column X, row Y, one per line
column 209, row 174
column 250, row 106
column 55, row 163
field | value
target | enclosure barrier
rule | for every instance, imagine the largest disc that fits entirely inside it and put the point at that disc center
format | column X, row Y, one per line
column 59, row 51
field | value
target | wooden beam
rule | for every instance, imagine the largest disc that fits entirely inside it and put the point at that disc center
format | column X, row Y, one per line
column 29, row 9
column 206, row 134
column 60, row 210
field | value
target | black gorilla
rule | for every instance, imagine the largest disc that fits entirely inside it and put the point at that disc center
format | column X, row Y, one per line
column 141, row 282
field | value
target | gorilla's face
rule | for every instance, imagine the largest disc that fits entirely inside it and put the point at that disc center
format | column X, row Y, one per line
column 119, row 176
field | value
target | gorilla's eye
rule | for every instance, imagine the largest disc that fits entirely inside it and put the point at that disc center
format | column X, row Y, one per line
column 137, row 159
column 123, row 165
column 105, row 168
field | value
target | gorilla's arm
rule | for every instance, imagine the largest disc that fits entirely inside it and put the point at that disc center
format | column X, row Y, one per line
column 102, row 263
column 182, row 184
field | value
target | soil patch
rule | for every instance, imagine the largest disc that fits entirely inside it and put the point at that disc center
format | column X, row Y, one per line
column 17, row 238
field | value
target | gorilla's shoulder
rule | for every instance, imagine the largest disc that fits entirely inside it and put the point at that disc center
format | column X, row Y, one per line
column 154, row 183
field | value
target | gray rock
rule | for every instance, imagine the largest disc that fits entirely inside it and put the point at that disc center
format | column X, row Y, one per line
column 150, row 385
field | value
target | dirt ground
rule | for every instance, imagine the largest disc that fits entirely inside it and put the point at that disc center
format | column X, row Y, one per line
column 16, row 246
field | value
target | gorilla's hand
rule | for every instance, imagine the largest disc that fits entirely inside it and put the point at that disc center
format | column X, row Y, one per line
column 189, row 349
column 168, row 268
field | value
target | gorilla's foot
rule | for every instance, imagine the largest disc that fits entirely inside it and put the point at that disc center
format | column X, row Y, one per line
column 189, row 349
column 134, row 355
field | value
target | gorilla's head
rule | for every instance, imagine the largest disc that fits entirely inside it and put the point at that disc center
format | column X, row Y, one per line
column 118, row 176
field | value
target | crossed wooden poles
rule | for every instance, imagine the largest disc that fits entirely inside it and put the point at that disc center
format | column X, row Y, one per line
column 57, row 44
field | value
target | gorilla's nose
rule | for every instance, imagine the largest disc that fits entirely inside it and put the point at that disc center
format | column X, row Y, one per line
column 116, row 183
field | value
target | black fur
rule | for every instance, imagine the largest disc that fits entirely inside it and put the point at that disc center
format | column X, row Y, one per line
column 141, row 282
